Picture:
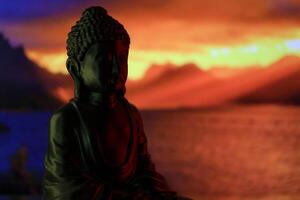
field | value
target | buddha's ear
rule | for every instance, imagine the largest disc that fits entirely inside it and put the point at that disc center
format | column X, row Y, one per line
column 73, row 67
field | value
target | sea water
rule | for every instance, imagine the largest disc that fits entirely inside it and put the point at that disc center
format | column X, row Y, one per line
column 233, row 152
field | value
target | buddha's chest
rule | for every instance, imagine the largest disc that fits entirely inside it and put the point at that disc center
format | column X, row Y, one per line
column 111, row 135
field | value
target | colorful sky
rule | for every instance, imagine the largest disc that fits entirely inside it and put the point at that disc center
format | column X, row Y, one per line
column 231, row 33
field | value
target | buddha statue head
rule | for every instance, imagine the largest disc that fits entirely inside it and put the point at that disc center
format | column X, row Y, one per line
column 97, row 48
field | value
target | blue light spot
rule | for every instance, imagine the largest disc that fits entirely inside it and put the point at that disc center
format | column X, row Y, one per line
column 293, row 45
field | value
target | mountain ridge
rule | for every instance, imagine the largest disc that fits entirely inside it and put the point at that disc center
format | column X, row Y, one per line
column 21, row 83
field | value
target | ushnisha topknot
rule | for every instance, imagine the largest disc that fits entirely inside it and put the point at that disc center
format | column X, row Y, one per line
column 95, row 25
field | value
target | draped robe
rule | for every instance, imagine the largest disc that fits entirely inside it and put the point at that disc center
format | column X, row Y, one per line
column 73, row 169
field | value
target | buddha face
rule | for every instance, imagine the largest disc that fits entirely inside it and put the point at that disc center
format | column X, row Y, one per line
column 104, row 67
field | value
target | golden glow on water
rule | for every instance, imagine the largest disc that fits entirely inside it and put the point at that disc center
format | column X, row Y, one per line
column 263, row 51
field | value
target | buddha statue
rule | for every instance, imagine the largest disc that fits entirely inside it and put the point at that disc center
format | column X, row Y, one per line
column 97, row 148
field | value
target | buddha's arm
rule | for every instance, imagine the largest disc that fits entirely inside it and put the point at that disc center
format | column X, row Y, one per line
column 63, row 178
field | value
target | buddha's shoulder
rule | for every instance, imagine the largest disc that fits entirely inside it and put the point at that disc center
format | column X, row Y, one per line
column 134, row 109
column 62, row 123
column 65, row 113
column 131, row 106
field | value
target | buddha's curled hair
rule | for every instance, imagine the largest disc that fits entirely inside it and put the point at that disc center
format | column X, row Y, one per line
column 95, row 25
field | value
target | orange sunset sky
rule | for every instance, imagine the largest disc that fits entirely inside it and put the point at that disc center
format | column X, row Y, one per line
column 231, row 33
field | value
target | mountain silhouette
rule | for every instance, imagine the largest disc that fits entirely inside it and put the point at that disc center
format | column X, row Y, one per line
column 25, row 85
column 178, row 87
column 285, row 86
column 22, row 82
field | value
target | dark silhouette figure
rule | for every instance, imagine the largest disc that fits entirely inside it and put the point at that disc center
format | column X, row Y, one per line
column 3, row 128
column 19, row 181
column 97, row 145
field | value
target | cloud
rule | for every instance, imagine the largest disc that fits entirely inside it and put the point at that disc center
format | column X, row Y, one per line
column 193, row 10
column 200, row 22
column 250, row 11
column 19, row 10
column 162, row 31
column 286, row 8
